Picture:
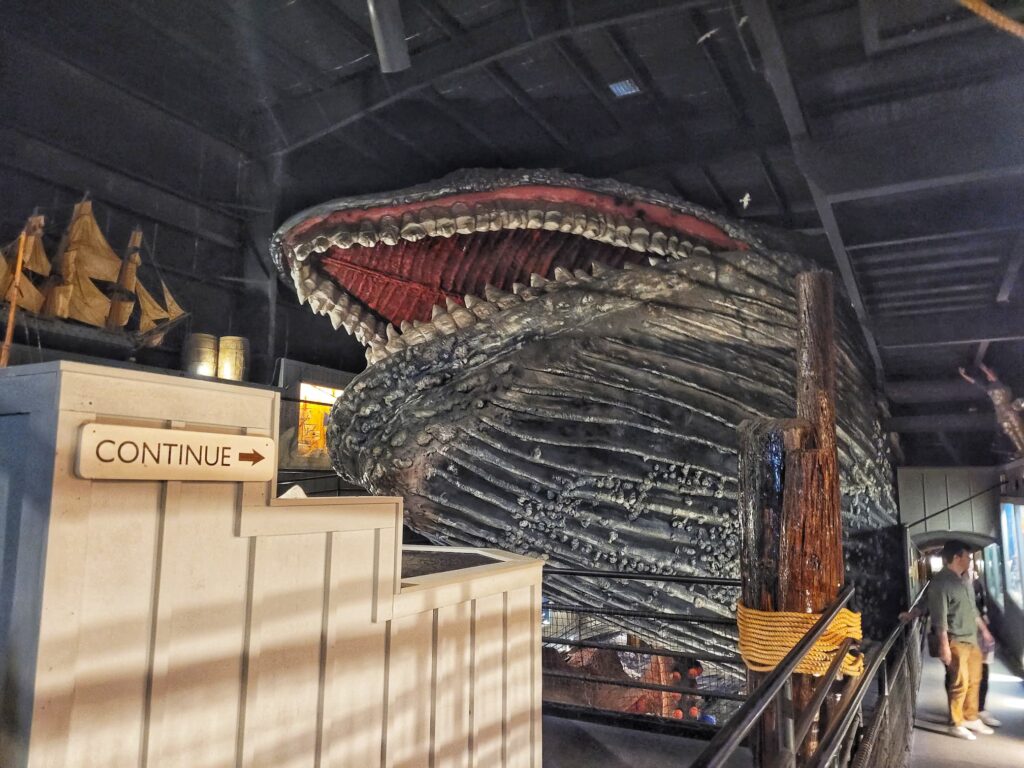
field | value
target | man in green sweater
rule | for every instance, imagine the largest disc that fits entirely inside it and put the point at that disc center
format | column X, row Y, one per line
column 956, row 623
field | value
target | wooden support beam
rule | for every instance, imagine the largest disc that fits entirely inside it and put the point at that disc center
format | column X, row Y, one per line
column 812, row 570
column 936, row 391
column 948, row 328
column 776, row 70
column 946, row 422
column 789, row 504
column 946, row 152
column 308, row 118
column 56, row 166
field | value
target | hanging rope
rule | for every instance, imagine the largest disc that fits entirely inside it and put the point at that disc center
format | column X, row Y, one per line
column 994, row 17
column 767, row 636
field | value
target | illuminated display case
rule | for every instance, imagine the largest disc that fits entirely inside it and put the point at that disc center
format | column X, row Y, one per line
column 308, row 391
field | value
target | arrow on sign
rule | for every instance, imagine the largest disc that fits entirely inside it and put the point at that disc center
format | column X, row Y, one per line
column 255, row 457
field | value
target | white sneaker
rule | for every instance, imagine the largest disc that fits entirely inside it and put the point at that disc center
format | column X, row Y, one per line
column 961, row 733
column 987, row 719
column 978, row 727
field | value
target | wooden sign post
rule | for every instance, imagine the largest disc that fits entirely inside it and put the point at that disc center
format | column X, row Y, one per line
column 116, row 452
column 789, row 501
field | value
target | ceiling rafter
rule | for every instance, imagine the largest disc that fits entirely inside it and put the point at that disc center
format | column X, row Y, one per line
column 588, row 76
column 952, row 328
column 777, row 72
column 525, row 102
column 309, row 118
column 636, row 68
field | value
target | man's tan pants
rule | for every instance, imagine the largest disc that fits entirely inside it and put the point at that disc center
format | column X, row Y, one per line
column 965, row 681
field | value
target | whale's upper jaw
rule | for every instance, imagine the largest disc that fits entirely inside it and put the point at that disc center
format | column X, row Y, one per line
column 398, row 270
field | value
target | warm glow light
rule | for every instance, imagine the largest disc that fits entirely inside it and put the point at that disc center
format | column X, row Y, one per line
column 313, row 411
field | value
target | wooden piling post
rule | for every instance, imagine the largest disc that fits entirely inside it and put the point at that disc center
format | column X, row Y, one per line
column 789, row 501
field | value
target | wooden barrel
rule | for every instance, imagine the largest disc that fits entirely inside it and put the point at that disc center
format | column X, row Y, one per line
column 199, row 354
column 233, row 359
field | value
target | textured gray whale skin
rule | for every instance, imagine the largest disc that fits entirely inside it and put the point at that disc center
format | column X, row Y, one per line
column 592, row 419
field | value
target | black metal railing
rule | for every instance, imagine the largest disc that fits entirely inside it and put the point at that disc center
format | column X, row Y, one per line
column 571, row 631
column 776, row 688
column 776, row 685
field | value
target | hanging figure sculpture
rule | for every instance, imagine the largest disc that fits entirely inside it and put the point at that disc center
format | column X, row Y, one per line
column 1007, row 409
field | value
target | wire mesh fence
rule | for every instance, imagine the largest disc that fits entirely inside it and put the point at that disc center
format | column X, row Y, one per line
column 642, row 662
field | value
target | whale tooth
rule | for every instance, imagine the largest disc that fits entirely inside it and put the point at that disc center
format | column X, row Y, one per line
column 597, row 269
column 451, row 303
column 321, row 243
column 463, row 317
column 444, row 226
column 579, row 221
column 639, row 239
column 344, row 238
column 367, row 236
column 658, row 242
column 492, row 293
column 436, row 311
column 395, row 345
column 562, row 275
column 465, row 222
column 471, row 300
column 428, row 222
column 538, row 281
column 534, row 218
column 389, row 232
column 518, row 288
column 336, row 318
column 411, row 229
column 392, row 332
column 623, row 234
column 552, row 221
column 654, row 261
column 672, row 245
column 301, row 251
column 581, row 274
column 413, row 336
column 350, row 323
column 375, row 351
column 445, row 324
column 700, row 250
column 406, row 326
column 594, row 227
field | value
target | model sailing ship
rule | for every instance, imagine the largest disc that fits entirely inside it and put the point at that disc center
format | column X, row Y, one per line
column 49, row 294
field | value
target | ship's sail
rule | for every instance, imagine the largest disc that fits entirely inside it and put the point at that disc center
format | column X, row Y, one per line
column 149, row 308
column 29, row 297
column 173, row 309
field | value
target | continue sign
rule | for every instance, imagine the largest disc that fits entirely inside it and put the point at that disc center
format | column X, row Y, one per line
column 114, row 452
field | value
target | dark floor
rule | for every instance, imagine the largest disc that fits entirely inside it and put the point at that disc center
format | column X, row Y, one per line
column 573, row 744
column 932, row 748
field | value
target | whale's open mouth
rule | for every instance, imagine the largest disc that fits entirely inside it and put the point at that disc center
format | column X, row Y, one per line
column 400, row 270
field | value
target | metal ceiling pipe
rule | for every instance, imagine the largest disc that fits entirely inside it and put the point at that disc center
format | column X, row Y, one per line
column 389, row 35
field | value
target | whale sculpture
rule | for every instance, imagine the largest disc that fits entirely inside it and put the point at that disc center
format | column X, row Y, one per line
column 557, row 366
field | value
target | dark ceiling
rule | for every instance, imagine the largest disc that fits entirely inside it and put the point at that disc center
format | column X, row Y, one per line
column 891, row 131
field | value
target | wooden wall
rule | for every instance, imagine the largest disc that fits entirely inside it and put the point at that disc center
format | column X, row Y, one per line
column 926, row 490
column 211, row 624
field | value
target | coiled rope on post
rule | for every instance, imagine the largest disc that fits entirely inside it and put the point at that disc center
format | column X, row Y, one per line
column 994, row 17
column 767, row 636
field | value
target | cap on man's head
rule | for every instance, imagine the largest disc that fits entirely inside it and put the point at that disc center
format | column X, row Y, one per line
column 953, row 548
